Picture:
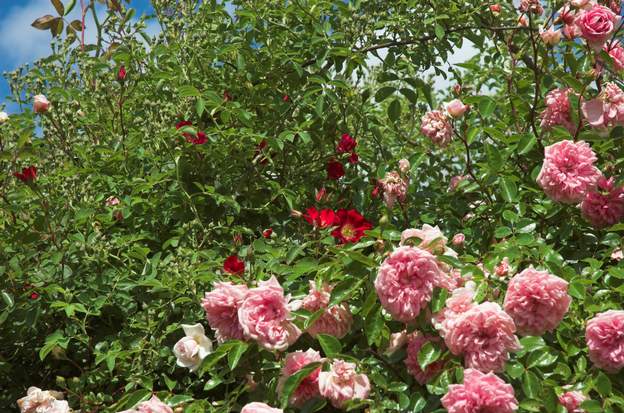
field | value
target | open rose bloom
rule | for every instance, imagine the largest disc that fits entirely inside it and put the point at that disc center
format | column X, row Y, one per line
column 596, row 25
column 335, row 320
column 256, row 407
column 415, row 343
column 605, row 340
column 480, row 393
column 572, row 400
column 309, row 387
column 341, row 383
column 193, row 348
column 221, row 306
column 40, row 401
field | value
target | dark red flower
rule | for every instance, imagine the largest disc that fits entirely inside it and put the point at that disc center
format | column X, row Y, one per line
column 267, row 233
column 285, row 98
column 351, row 226
column 322, row 219
column 34, row 296
column 233, row 265
column 200, row 139
column 346, row 144
column 259, row 154
column 226, row 96
column 121, row 74
column 28, row 174
column 335, row 170
column 354, row 158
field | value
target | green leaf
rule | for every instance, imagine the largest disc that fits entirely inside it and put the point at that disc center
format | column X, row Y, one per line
column 330, row 344
column 527, row 141
column 487, row 106
column 428, row 354
column 236, row 352
column 188, row 91
column 531, row 385
column 200, row 106
column 531, row 343
column 8, row 299
column 602, row 383
column 439, row 31
column 576, row 289
column 592, row 406
column 44, row 22
column 384, row 92
column 132, row 399
column 509, row 190
column 58, row 5
column 292, row 382
column 394, row 110
column 179, row 399
column 69, row 6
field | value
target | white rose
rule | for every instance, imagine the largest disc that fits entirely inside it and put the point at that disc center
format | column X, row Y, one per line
column 3, row 117
column 193, row 348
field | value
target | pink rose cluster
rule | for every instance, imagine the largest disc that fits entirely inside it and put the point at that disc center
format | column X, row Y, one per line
column 596, row 25
column 261, row 314
column 480, row 393
column 604, row 206
column 537, row 301
column 336, row 320
column 604, row 335
column 256, row 407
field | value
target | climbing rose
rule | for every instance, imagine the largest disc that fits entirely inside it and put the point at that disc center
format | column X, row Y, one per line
column 568, row 171
column 566, row 15
column 557, row 111
column 596, row 25
column 233, row 265
column 346, row 144
column 321, row 219
column 581, row 4
column 617, row 54
column 458, row 239
column 28, row 174
column 480, row 393
column 404, row 166
column 354, row 158
column 405, row 282
column 335, row 320
column 308, row 388
column 617, row 254
column 221, row 306
column 431, row 238
column 415, row 342
column 394, row 188
column 460, row 301
column 605, row 340
column 335, row 170
column 41, row 104
column 572, row 400
column 537, row 301
column 397, row 341
column 350, row 226
column 485, row 335
column 267, row 233
column 256, row 407
column 153, row 405
column 265, row 317
column 502, row 269
column 607, row 109
column 193, row 348
column 456, row 108
column 604, row 206
column 121, row 74
column 341, row 383
column 436, row 126
column 550, row 37
column 112, row 201
column 531, row 6
column 42, row 401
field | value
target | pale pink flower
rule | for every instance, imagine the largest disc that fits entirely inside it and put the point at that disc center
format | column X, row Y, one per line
column 480, row 393
column 456, row 108
column 485, row 335
column 397, row 341
column 4, row 117
column 265, row 316
column 565, row 15
column 605, row 339
column 617, row 254
column 436, row 126
column 460, row 301
column 557, row 111
column 431, row 238
column 537, row 301
column 153, row 405
column 597, row 24
column 458, row 239
column 394, row 188
column 221, row 306
column 571, row 31
column 193, row 348
column 341, row 383
column 415, row 343
column 550, row 37
column 607, row 109
column 42, row 401
column 405, row 282
column 531, row 6
column 455, row 181
column 568, row 171
column 572, row 400
column 523, row 21
column 335, row 320
column 604, row 206
column 112, row 201
column 41, row 104
column 404, row 166
column 617, row 54
column 256, row 407
column 308, row 388
column 502, row 269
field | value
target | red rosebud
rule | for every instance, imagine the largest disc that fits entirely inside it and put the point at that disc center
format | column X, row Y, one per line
column 375, row 192
column 121, row 74
column 227, row 97
column 354, row 158
column 28, row 174
column 335, row 170
column 285, row 98
column 237, row 239
column 34, row 296
column 320, row 194
column 351, row 226
column 495, row 8
column 346, row 144
column 233, row 265
column 267, row 233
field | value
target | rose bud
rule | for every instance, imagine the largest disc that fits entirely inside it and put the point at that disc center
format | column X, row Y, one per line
column 41, row 104
column 404, row 166
column 456, row 108
column 121, row 74
column 551, row 37
column 495, row 9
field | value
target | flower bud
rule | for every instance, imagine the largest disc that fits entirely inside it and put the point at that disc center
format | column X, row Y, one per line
column 41, row 104
column 456, row 108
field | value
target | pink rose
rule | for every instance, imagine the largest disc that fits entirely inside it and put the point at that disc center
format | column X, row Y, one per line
column 192, row 349
column 456, row 108
column 495, row 8
column 460, row 301
column 436, row 126
column 596, row 25
column 604, row 206
column 404, row 166
column 431, row 238
column 458, row 239
column 394, row 188
column 617, row 54
column 221, row 306
column 40, row 401
column 607, row 109
column 153, row 405
column 537, row 301
column 265, row 317
column 531, row 6
column 308, row 388
column 335, row 320
column 502, row 269
column 572, row 400
column 416, row 341
column 455, row 181
column 523, row 21
column 341, row 383
column 550, row 37
column 112, row 201
column 41, row 104
column 557, row 111
column 256, row 407
column 617, row 254
column 581, row 4
column 566, row 15
column 605, row 339
column 480, row 393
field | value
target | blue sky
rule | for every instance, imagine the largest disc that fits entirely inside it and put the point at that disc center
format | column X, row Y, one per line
column 20, row 43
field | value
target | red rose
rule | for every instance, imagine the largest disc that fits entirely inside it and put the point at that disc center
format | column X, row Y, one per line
column 200, row 139
column 121, row 75
column 351, row 226
column 354, row 158
column 28, row 174
column 34, row 296
column 323, row 219
column 335, row 170
column 346, row 144
column 233, row 265
column 267, row 233
column 285, row 98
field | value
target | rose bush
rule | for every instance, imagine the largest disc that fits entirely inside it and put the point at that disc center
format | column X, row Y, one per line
column 276, row 206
